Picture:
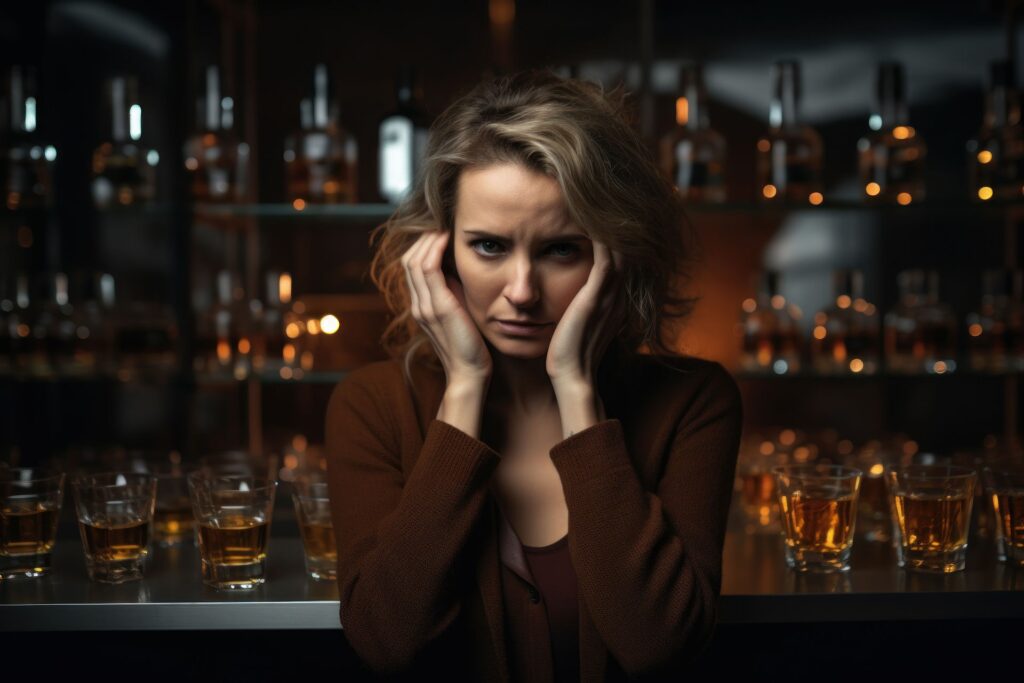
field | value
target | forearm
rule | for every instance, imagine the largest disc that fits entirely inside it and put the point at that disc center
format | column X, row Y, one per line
column 579, row 406
column 462, row 406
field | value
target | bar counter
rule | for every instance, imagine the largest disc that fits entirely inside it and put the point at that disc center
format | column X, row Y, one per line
column 757, row 588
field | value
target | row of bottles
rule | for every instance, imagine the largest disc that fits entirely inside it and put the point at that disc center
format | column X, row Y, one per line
column 321, row 157
column 919, row 335
column 239, row 335
column 60, row 327
column 891, row 154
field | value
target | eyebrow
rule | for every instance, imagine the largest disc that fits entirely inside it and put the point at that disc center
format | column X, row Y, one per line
column 568, row 237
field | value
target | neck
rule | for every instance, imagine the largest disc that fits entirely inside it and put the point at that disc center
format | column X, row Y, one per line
column 521, row 385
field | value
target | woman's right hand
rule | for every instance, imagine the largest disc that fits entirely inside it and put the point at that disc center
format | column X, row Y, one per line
column 438, row 305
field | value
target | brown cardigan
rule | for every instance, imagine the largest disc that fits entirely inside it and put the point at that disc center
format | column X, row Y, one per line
column 431, row 576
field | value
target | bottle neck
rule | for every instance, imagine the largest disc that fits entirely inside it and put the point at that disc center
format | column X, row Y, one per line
column 1002, row 107
column 785, row 97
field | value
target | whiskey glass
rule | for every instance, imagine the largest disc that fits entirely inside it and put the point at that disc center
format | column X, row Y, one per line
column 115, row 519
column 173, row 521
column 819, row 513
column 30, row 503
column 931, row 507
column 1004, row 487
column 233, row 512
column 313, row 513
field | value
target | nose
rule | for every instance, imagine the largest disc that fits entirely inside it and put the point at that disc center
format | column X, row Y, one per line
column 522, row 290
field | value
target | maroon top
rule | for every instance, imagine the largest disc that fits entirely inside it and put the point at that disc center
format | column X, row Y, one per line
column 552, row 569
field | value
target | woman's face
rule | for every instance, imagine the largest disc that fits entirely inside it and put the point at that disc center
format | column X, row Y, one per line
column 518, row 254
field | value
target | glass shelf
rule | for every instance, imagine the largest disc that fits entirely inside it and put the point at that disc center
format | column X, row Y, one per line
column 884, row 375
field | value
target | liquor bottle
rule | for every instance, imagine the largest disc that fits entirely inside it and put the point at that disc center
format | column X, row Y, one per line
column 27, row 161
column 321, row 158
column 920, row 331
column 789, row 156
column 892, row 155
column 217, row 161
column 124, row 171
column 771, row 339
column 54, row 330
column 995, row 159
column 693, row 154
column 845, row 336
column 230, row 319
column 995, row 332
column 403, row 139
column 268, row 354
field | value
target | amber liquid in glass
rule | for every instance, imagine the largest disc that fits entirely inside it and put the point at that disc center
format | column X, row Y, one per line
column 321, row 549
column 933, row 526
column 173, row 522
column 116, row 540
column 27, row 529
column 818, row 524
column 1009, row 508
column 234, row 551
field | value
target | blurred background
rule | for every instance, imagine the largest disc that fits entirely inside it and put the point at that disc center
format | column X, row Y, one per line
column 189, row 189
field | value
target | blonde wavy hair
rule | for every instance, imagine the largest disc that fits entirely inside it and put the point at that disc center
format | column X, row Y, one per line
column 583, row 137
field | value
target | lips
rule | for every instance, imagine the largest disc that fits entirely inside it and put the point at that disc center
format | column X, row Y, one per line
column 522, row 329
column 522, row 323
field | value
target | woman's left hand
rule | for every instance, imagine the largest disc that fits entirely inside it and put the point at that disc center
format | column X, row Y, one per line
column 588, row 325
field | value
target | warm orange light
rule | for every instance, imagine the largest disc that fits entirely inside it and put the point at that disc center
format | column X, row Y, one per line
column 877, row 470
column 764, row 145
column 244, row 346
column 191, row 163
column 872, row 189
column 313, row 326
column 291, row 461
column 801, row 454
column 974, row 330
column 820, row 332
column 286, row 373
column 984, row 156
column 288, row 353
column 23, row 330
column 769, row 191
column 910, row 447
column 860, row 305
column 299, row 204
column 300, row 442
column 682, row 111
column 904, row 198
column 816, row 198
column 329, row 324
column 985, row 193
column 856, row 365
column 767, row 448
column 749, row 305
column 902, row 132
column 778, row 302
column 839, row 351
column 940, row 367
column 843, row 301
column 306, row 360
column 292, row 330
column 820, row 318
column 223, row 350
column 284, row 287
column 787, row 437
column 502, row 12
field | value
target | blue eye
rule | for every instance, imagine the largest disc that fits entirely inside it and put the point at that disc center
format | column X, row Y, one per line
column 478, row 242
column 562, row 250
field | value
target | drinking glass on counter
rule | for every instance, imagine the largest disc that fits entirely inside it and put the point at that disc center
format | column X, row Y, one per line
column 173, row 521
column 1004, row 486
column 115, row 516
column 819, row 512
column 30, row 503
column 233, row 512
column 313, row 512
column 241, row 463
column 931, row 507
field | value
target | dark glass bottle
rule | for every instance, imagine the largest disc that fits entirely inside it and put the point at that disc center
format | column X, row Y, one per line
column 693, row 154
column 403, row 139
column 27, row 161
column 217, row 161
column 789, row 156
column 995, row 158
column 123, row 170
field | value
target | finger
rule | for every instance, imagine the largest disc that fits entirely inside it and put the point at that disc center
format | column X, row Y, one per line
column 432, row 269
column 419, row 280
column 408, row 261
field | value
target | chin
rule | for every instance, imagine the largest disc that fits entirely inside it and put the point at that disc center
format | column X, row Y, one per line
column 524, row 349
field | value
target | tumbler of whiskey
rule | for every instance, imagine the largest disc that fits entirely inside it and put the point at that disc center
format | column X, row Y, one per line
column 818, row 505
column 115, row 518
column 173, row 521
column 30, row 502
column 233, row 512
column 1004, row 488
column 313, row 512
column 931, row 507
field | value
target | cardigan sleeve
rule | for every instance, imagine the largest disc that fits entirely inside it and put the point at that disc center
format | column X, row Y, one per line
column 398, row 537
column 649, row 563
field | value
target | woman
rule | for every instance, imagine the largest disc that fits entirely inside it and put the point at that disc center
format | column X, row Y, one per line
column 520, row 494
